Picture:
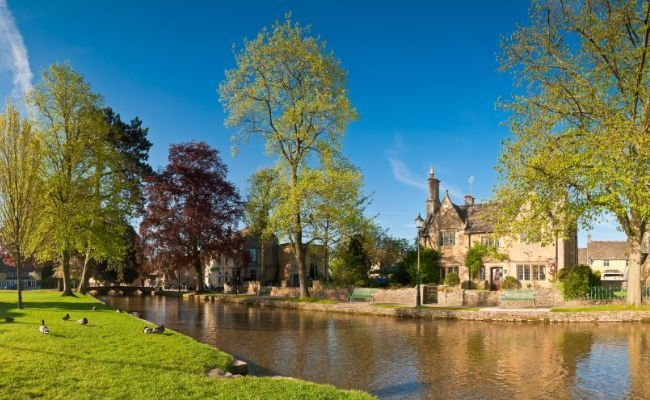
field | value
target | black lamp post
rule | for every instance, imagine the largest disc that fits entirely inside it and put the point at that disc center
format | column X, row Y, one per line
column 419, row 223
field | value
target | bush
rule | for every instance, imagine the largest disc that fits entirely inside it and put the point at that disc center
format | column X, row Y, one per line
column 452, row 279
column 511, row 283
column 577, row 281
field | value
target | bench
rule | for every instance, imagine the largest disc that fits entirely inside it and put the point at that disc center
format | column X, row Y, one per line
column 518, row 295
column 361, row 293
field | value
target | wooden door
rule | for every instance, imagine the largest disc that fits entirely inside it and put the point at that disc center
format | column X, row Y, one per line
column 496, row 278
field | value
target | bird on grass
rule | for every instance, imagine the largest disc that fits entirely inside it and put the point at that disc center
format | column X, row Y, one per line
column 9, row 319
column 94, row 308
column 43, row 329
column 66, row 317
column 136, row 314
column 118, row 310
column 82, row 321
column 159, row 329
column 148, row 330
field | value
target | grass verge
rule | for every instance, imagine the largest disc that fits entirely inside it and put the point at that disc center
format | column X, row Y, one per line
column 606, row 307
column 111, row 358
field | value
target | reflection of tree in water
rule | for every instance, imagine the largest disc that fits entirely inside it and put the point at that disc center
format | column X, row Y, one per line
column 573, row 347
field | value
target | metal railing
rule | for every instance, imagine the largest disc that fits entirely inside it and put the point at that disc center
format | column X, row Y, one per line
column 612, row 293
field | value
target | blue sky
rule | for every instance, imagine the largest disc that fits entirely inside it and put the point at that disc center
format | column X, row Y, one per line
column 422, row 74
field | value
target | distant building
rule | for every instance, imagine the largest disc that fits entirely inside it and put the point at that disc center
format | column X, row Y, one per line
column 609, row 258
column 452, row 229
column 30, row 276
column 280, row 266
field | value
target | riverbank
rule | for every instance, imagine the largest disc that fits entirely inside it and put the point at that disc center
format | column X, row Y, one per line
column 487, row 314
column 111, row 358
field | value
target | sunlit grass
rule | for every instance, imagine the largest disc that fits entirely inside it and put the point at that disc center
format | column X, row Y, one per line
column 606, row 307
column 111, row 358
column 426, row 308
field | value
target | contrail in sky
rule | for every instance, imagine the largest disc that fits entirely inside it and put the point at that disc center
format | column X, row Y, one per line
column 13, row 54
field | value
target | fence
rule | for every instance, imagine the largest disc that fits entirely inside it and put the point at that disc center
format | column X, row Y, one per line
column 610, row 293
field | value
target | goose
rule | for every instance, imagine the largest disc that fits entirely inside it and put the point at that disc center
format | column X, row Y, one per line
column 148, row 330
column 82, row 321
column 159, row 329
column 66, row 317
column 9, row 319
column 43, row 328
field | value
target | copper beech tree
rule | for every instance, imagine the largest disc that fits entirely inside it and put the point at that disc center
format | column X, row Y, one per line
column 190, row 211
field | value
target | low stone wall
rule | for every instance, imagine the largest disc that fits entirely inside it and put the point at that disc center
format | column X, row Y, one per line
column 404, row 296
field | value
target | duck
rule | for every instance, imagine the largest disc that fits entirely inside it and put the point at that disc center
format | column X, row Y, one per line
column 159, row 329
column 118, row 310
column 66, row 317
column 94, row 308
column 9, row 319
column 43, row 329
column 136, row 314
column 82, row 321
column 148, row 330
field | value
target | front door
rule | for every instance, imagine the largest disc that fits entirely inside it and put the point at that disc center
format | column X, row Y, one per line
column 496, row 275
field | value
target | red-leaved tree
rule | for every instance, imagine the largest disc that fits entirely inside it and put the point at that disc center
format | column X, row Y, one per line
column 190, row 211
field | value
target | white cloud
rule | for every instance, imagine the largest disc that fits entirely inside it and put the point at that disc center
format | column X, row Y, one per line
column 403, row 174
column 13, row 53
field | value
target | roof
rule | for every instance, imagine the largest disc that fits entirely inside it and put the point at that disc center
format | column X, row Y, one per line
column 607, row 250
column 476, row 217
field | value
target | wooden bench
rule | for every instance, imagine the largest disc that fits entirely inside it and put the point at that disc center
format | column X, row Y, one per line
column 518, row 295
column 361, row 293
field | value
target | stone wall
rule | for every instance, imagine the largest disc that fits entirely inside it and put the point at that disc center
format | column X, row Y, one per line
column 404, row 296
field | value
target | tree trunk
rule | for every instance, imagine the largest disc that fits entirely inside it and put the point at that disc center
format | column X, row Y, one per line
column 634, row 271
column 67, row 285
column 199, row 268
column 84, row 274
column 262, row 270
column 298, row 249
column 19, row 282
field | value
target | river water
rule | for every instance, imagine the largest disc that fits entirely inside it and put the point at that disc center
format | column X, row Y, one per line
column 396, row 358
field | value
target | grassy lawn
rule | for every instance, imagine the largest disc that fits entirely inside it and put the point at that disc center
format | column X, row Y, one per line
column 111, row 358
column 607, row 307
column 427, row 308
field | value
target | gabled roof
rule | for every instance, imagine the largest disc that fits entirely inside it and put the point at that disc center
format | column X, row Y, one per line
column 607, row 250
column 476, row 218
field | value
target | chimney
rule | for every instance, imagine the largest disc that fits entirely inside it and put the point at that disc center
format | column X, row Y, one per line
column 469, row 200
column 433, row 203
column 588, row 238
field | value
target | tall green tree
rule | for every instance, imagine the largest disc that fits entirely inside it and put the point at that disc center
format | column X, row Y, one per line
column 290, row 91
column 580, row 123
column 351, row 263
column 21, row 190
column 335, row 205
column 83, row 199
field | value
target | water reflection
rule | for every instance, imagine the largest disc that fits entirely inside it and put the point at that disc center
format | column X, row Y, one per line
column 417, row 359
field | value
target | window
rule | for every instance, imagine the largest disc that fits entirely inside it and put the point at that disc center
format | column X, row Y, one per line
column 490, row 241
column 252, row 253
column 253, row 274
column 481, row 273
column 448, row 238
column 605, row 263
column 531, row 272
column 444, row 271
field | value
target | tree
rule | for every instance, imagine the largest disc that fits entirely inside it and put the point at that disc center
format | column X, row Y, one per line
column 581, row 124
column 190, row 210
column 335, row 205
column 84, row 208
column 117, row 188
column 21, row 190
column 287, row 89
column 351, row 263
column 261, row 202
column 386, row 252
column 429, row 265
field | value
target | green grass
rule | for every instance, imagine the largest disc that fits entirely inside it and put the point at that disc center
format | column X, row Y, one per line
column 606, row 307
column 308, row 300
column 111, row 358
column 427, row 308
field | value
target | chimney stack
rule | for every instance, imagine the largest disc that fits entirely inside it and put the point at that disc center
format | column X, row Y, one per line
column 469, row 200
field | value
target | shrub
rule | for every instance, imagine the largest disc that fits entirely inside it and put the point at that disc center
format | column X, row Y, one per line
column 452, row 279
column 577, row 281
column 511, row 283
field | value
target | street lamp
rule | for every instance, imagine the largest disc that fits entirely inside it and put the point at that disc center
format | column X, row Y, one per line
column 419, row 223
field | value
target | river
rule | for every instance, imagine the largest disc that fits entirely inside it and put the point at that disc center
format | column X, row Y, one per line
column 396, row 358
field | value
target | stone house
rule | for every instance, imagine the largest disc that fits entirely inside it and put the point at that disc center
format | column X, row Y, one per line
column 452, row 229
column 279, row 264
column 609, row 258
